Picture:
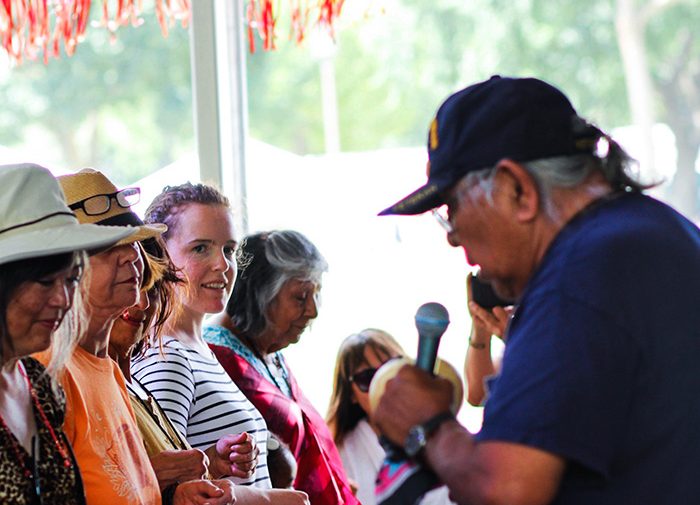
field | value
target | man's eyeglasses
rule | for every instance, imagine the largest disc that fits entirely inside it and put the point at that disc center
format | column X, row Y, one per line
column 100, row 204
column 443, row 220
column 453, row 197
column 363, row 379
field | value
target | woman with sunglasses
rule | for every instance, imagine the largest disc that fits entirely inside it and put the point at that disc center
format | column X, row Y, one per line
column 273, row 301
column 41, row 261
column 359, row 357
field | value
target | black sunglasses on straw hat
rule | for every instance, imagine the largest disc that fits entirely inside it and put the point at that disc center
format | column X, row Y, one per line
column 95, row 199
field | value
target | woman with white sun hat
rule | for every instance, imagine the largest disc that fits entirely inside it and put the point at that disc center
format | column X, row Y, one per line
column 42, row 256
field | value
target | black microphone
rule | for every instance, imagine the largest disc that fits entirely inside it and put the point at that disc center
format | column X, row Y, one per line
column 432, row 320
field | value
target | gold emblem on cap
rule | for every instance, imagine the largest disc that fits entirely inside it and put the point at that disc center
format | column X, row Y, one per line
column 433, row 135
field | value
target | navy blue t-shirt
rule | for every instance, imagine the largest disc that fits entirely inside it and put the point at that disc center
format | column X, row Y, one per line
column 602, row 365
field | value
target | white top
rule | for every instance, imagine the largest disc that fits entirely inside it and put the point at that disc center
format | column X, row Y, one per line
column 362, row 456
column 201, row 400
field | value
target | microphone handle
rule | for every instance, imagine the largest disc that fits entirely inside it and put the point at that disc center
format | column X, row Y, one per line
column 427, row 353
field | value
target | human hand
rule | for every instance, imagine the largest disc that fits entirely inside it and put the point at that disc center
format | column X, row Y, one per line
column 411, row 397
column 234, row 456
column 489, row 322
column 486, row 322
column 288, row 497
column 257, row 496
column 204, row 492
column 175, row 466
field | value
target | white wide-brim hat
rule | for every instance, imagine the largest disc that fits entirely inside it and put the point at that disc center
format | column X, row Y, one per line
column 35, row 220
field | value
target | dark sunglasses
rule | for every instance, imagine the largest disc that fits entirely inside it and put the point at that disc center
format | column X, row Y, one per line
column 100, row 204
column 363, row 379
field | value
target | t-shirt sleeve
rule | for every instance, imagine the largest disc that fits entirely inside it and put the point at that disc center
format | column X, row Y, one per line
column 566, row 383
column 170, row 380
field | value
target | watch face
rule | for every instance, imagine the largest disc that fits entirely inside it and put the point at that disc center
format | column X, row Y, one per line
column 415, row 441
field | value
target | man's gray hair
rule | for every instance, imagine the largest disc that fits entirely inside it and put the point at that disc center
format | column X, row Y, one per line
column 568, row 172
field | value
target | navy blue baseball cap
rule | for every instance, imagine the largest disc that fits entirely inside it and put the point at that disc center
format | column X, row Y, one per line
column 522, row 119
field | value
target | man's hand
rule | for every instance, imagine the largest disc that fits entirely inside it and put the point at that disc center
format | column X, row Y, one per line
column 234, row 456
column 411, row 397
column 178, row 466
column 204, row 492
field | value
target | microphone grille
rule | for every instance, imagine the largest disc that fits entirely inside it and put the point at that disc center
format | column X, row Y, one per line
column 432, row 319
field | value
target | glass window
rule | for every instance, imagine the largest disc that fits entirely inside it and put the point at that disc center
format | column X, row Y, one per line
column 121, row 104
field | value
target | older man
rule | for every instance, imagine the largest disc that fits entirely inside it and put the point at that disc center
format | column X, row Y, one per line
column 598, row 400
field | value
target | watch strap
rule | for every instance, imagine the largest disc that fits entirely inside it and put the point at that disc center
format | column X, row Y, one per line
column 419, row 434
column 431, row 425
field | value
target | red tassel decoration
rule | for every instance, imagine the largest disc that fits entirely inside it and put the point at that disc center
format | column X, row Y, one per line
column 262, row 18
column 168, row 12
column 300, row 20
column 329, row 12
column 25, row 25
column 30, row 27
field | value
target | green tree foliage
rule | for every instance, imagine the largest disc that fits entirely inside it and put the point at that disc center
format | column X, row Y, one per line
column 126, row 105
column 393, row 70
column 123, row 104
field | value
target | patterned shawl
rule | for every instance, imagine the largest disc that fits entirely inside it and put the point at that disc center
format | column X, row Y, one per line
column 294, row 420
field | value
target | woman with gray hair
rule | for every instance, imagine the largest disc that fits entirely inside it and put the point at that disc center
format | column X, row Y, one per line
column 274, row 299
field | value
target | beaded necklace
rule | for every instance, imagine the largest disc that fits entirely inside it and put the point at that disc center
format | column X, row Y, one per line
column 16, row 449
column 278, row 364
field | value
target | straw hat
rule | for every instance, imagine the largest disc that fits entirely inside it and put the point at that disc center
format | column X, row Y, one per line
column 88, row 183
column 36, row 222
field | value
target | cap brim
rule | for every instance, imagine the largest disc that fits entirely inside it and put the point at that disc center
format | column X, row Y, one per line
column 61, row 239
column 143, row 232
column 421, row 200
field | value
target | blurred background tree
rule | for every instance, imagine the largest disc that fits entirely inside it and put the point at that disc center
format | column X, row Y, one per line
column 122, row 104
column 126, row 104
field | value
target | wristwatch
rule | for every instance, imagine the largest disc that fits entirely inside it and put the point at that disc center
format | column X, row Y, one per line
column 419, row 434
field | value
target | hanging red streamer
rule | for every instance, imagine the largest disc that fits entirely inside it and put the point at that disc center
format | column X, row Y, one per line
column 262, row 19
column 31, row 27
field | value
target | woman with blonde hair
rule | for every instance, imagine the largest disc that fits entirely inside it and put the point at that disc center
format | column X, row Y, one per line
column 359, row 357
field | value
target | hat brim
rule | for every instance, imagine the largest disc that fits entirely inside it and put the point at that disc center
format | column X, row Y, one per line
column 421, row 200
column 61, row 239
column 143, row 232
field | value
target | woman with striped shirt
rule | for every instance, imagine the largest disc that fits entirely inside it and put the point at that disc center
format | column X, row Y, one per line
column 183, row 374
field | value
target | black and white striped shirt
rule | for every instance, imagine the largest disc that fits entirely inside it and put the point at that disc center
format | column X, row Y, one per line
column 201, row 400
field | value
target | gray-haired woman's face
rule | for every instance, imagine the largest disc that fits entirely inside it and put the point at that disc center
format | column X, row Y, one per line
column 291, row 311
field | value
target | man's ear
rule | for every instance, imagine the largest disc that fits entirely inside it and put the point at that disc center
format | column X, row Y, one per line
column 522, row 187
